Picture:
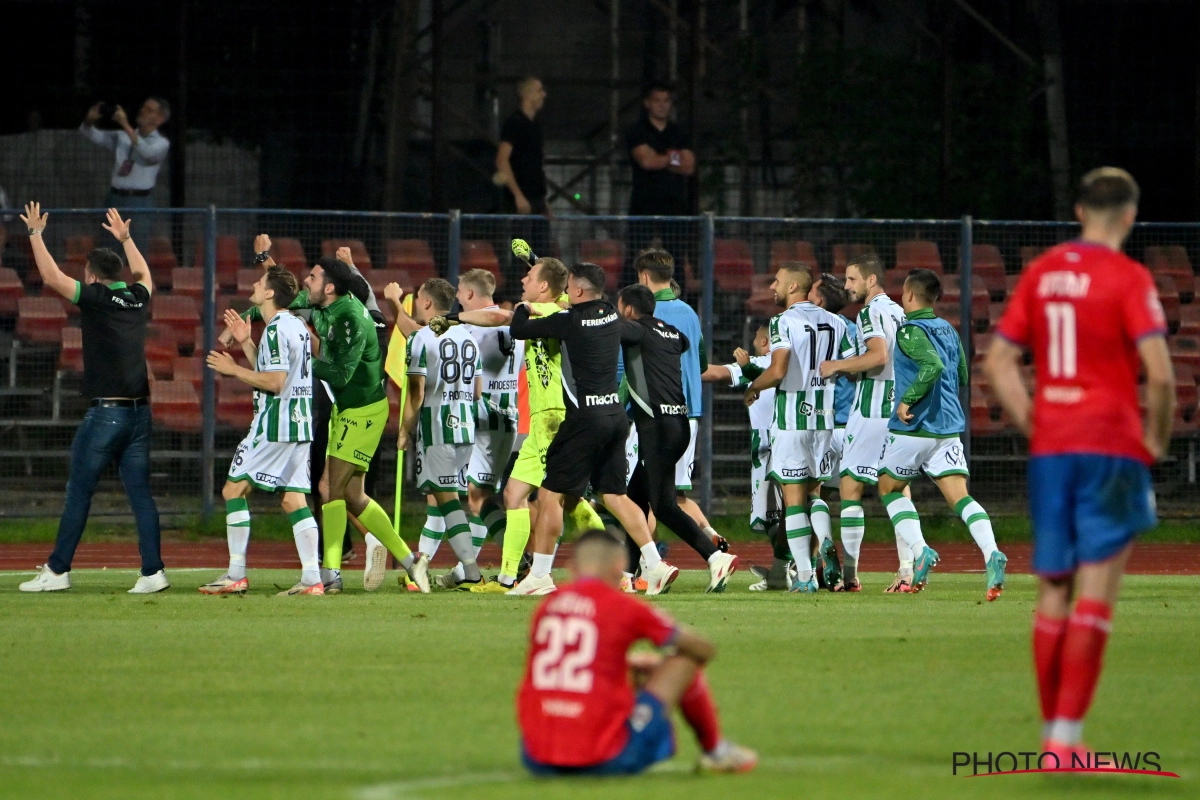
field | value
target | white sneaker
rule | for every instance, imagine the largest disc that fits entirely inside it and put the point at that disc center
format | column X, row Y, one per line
column 420, row 573
column 149, row 584
column 374, row 566
column 720, row 567
column 761, row 586
column 447, row 580
column 627, row 584
column 532, row 587
column 47, row 581
column 728, row 757
column 659, row 579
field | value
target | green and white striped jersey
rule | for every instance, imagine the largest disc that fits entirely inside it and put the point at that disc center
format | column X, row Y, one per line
column 449, row 364
column 501, row 356
column 876, row 394
column 285, row 346
column 804, row 400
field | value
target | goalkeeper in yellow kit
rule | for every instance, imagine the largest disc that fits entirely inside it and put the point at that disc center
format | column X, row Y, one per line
column 541, row 289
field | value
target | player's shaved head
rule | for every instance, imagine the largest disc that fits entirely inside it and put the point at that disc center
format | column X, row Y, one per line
column 599, row 554
column 925, row 285
column 793, row 277
column 589, row 277
column 439, row 292
column 1107, row 189
column 480, row 281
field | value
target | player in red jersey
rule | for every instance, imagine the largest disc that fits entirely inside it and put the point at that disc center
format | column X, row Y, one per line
column 576, row 706
column 1092, row 318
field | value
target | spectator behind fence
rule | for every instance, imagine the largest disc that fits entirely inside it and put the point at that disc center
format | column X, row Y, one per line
column 139, row 154
column 520, row 167
column 662, row 161
column 117, row 427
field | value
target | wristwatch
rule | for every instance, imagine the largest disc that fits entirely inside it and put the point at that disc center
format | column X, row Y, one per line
column 259, row 258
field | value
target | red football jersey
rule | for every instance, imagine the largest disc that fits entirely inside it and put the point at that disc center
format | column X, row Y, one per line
column 1082, row 308
column 576, row 694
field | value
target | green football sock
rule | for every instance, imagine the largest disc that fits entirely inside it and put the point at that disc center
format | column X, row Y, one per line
column 333, row 519
column 376, row 520
column 516, row 536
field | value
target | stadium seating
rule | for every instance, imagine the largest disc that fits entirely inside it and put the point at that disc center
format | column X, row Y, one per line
column 228, row 258
column 893, row 283
column 1185, row 350
column 1172, row 261
column 1029, row 253
column 799, row 250
column 358, row 252
column 78, row 247
column 1185, row 389
column 180, row 315
column 733, row 265
column 191, row 369
column 40, row 319
column 918, row 253
column 608, row 254
column 161, row 351
column 235, row 404
column 160, row 257
column 842, row 253
column 1169, row 297
column 479, row 254
column 761, row 302
column 11, row 290
column 988, row 265
column 246, row 278
column 414, row 257
column 175, row 405
column 1189, row 320
column 380, row 278
column 70, row 358
column 188, row 282
column 952, row 292
column 288, row 253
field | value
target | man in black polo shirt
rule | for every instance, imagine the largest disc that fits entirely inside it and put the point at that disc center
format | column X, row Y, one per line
column 116, row 427
column 662, row 162
column 519, row 166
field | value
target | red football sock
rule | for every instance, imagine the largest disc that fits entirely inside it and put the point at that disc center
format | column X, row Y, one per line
column 1048, row 636
column 1082, row 657
column 701, row 712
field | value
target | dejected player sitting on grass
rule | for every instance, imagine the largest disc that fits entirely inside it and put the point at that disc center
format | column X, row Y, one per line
column 274, row 455
column 930, row 367
column 576, row 706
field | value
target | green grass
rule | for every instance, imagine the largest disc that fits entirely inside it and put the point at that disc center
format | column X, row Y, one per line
column 393, row 695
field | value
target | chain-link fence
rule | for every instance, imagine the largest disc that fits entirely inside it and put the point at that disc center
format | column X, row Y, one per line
column 201, row 262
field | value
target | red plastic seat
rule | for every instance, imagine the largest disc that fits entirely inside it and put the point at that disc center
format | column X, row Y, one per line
column 608, row 254
column 1189, row 320
column 191, row 369
column 188, row 282
column 358, row 252
column 893, row 283
column 1167, row 256
column 1185, row 388
column 228, row 258
column 380, row 278
column 235, row 404
column 842, row 253
column 11, row 290
column 160, row 256
column 1168, row 295
column 180, row 315
column 70, row 358
column 78, row 246
column 733, row 265
column 479, row 254
column 799, row 250
column 1029, row 253
column 949, row 312
column 175, row 405
column 414, row 257
column 761, row 302
column 40, row 319
column 951, row 293
column 988, row 265
column 918, row 254
column 1185, row 350
column 246, row 278
column 288, row 253
column 161, row 351
column 981, row 343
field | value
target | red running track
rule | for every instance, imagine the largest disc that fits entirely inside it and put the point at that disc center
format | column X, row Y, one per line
column 1147, row 559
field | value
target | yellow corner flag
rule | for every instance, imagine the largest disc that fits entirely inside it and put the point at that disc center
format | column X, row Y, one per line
column 396, row 367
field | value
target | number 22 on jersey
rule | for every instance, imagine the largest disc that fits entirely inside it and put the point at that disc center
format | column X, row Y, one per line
column 566, row 648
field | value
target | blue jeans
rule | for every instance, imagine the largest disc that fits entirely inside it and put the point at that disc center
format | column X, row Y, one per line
column 107, row 435
column 143, row 224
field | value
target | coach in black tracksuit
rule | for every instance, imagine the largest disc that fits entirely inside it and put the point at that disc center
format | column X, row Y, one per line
column 655, row 379
column 590, row 444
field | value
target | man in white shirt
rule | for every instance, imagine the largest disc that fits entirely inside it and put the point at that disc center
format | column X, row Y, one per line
column 139, row 153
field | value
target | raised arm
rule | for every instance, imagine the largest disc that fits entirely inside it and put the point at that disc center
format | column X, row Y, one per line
column 554, row 326
column 88, row 129
column 119, row 228
column 52, row 276
column 404, row 323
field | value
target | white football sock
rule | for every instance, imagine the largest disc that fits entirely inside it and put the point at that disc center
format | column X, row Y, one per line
column 979, row 524
column 304, row 530
column 822, row 525
column 799, row 537
column 650, row 555
column 854, row 527
column 542, row 564
column 903, row 515
column 237, row 535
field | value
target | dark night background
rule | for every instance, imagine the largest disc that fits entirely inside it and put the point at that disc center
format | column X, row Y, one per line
column 876, row 108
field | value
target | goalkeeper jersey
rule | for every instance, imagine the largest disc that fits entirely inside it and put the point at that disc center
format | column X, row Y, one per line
column 285, row 347
column 543, row 362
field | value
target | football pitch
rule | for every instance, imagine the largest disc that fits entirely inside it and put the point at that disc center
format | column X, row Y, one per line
column 399, row 695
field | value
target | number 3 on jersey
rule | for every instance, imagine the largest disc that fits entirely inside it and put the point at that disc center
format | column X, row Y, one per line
column 1063, row 343
column 553, row 667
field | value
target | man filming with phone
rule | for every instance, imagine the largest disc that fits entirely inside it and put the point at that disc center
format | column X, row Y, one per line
column 139, row 154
